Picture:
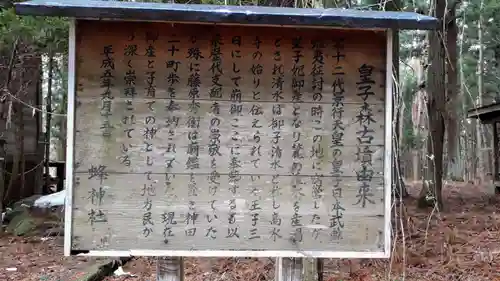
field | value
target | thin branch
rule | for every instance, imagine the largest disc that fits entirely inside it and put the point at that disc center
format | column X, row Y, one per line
column 33, row 107
column 5, row 88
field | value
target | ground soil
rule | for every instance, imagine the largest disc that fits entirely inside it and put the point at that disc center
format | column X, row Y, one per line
column 459, row 243
column 39, row 258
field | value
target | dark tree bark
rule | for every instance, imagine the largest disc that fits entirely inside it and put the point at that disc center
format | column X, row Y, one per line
column 452, row 98
column 436, row 111
column 399, row 188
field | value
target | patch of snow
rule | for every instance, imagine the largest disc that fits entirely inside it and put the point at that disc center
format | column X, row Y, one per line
column 54, row 199
column 119, row 272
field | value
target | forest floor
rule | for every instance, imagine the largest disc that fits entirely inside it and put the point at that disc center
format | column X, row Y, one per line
column 39, row 259
column 460, row 243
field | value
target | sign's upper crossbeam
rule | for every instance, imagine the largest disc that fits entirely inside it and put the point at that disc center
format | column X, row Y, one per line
column 340, row 18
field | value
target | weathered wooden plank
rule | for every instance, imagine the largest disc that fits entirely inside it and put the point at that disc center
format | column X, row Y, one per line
column 185, row 196
column 310, row 141
column 249, row 60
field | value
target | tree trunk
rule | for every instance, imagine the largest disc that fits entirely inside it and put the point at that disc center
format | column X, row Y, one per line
column 436, row 110
column 2, row 173
column 473, row 156
column 483, row 131
column 453, row 136
column 465, row 160
column 399, row 187
column 479, row 102
column 14, row 173
column 10, row 105
column 22, row 159
column 48, row 125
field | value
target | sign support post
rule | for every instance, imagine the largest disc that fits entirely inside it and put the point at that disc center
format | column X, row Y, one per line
column 169, row 269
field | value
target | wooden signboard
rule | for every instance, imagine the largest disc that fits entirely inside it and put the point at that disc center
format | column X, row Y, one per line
column 223, row 140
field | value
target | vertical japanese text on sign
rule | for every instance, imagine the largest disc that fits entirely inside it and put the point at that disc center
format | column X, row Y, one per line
column 217, row 138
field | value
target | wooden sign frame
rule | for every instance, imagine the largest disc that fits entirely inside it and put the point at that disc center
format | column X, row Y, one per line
column 387, row 175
